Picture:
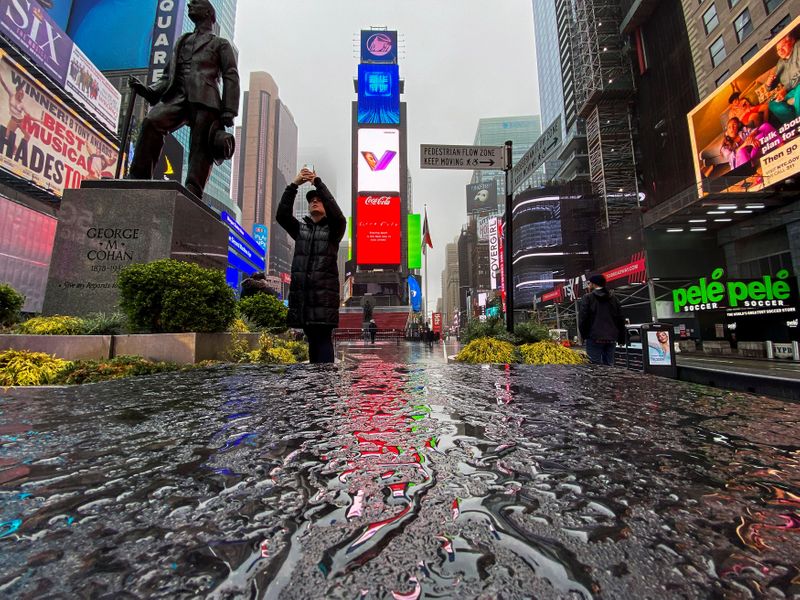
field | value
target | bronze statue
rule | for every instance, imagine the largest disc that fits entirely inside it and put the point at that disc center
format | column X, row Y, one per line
column 188, row 93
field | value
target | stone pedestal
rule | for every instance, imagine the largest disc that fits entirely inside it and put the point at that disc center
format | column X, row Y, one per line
column 108, row 225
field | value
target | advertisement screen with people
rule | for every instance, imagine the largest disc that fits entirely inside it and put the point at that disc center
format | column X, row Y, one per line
column 745, row 134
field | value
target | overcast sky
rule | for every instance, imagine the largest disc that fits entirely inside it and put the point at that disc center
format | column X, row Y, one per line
column 461, row 60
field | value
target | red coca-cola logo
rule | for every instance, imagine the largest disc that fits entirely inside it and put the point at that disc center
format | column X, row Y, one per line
column 378, row 200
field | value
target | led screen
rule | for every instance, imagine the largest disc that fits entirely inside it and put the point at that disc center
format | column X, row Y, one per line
column 378, row 230
column 378, row 160
column 414, row 241
column 744, row 135
column 378, row 47
column 379, row 94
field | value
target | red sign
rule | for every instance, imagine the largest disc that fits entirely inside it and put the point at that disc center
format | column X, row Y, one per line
column 286, row 278
column 501, row 240
column 378, row 230
column 553, row 295
column 437, row 322
column 635, row 271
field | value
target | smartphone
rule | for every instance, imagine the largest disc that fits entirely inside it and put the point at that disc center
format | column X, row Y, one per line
column 309, row 166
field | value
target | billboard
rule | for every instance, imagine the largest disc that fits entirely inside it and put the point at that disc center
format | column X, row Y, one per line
column 378, row 230
column 260, row 234
column 744, row 135
column 482, row 197
column 42, row 140
column 494, row 254
column 414, row 241
column 379, row 94
column 114, row 34
column 41, row 39
column 379, row 47
column 167, row 28
column 379, row 160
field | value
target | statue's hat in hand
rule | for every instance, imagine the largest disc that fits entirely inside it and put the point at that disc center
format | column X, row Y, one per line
column 222, row 143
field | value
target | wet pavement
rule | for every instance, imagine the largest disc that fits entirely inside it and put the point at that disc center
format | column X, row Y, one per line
column 376, row 478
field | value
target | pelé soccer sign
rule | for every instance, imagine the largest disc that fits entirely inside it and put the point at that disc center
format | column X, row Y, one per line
column 768, row 295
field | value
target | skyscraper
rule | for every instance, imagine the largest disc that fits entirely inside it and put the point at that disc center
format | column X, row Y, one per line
column 281, row 246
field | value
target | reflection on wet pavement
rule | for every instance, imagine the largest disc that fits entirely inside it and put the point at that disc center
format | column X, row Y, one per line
column 375, row 479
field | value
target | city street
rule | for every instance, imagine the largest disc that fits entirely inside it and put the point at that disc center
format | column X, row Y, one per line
column 387, row 478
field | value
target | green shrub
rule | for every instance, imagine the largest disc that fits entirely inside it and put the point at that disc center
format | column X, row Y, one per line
column 276, row 350
column 55, row 325
column 550, row 353
column 265, row 311
column 490, row 328
column 103, row 324
column 487, row 350
column 172, row 296
column 239, row 326
column 531, row 332
column 11, row 302
column 22, row 367
column 92, row 371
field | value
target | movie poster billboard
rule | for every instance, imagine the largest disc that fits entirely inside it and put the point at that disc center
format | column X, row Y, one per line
column 379, row 94
column 42, row 140
column 482, row 197
column 379, row 47
column 745, row 134
column 378, row 229
column 378, row 160
column 40, row 38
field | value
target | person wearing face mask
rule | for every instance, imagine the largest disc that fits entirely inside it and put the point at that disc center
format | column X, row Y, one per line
column 314, row 291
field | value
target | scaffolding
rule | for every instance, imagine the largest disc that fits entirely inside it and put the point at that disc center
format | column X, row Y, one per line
column 604, row 90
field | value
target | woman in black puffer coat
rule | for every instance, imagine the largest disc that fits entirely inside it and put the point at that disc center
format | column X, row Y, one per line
column 314, row 291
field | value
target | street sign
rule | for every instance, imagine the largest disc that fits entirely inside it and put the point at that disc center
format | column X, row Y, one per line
column 485, row 158
column 538, row 153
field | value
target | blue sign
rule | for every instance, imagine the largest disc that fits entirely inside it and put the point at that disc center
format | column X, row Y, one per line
column 235, row 244
column 166, row 31
column 238, row 230
column 379, row 94
column 238, row 263
column 114, row 34
column 415, row 293
column 379, row 47
column 260, row 234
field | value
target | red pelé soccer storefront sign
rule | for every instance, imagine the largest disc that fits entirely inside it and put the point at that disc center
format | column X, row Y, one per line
column 378, row 230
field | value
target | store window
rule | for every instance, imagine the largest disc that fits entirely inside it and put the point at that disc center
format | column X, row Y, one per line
column 710, row 19
column 717, row 51
column 743, row 25
column 771, row 5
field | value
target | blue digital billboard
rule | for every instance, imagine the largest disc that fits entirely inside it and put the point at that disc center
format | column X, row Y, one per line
column 114, row 34
column 379, row 94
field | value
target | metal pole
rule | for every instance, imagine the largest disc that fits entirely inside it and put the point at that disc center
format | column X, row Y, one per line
column 509, row 238
column 425, row 295
column 651, row 287
column 126, row 130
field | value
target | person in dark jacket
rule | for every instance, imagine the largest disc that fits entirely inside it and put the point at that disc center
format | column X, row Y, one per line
column 314, row 291
column 255, row 284
column 601, row 322
column 373, row 330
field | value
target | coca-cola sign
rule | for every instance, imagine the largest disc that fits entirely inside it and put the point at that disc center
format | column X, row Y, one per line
column 378, row 200
column 377, row 230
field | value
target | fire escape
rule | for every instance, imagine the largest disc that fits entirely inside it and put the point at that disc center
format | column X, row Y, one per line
column 604, row 90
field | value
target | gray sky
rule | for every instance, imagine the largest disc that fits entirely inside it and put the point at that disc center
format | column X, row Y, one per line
column 461, row 60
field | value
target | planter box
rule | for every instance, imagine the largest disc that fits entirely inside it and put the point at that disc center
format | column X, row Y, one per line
column 68, row 347
column 717, row 348
column 183, row 348
column 752, row 349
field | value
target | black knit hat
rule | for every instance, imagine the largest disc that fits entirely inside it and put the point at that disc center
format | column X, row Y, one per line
column 311, row 194
column 598, row 280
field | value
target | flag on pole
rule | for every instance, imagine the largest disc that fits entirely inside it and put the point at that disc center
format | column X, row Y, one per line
column 426, row 235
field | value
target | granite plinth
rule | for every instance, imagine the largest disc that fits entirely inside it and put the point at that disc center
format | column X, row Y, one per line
column 108, row 225
column 68, row 347
column 183, row 348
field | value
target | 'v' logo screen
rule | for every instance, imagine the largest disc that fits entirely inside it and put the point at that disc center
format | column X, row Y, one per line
column 378, row 160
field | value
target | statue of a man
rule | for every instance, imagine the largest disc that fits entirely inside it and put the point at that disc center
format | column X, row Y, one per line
column 188, row 93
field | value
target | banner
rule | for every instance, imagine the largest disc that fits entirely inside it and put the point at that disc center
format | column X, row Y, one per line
column 494, row 255
column 260, row 234
column 378, row 230
column 42, row 140
column 482, row 197
column 414, row 241
column 745, row 134
column 485, row 225
column 39, row 37
column 436, row 322
column 415, row 293
column 166, row 31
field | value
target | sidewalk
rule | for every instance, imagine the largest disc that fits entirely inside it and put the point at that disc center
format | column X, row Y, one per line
column 394, row 351
column 784, row 369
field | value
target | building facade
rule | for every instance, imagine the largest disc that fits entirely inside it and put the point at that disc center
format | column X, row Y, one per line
column 281, row 246
column 450, row 284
